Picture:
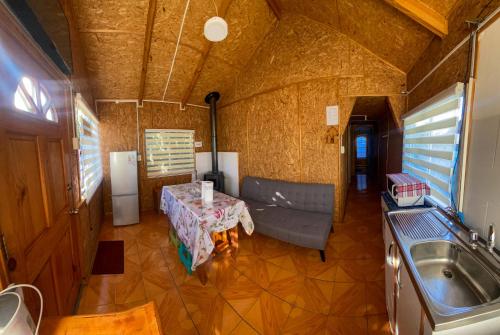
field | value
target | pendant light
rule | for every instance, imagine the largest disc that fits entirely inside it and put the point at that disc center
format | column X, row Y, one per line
column 215, row 29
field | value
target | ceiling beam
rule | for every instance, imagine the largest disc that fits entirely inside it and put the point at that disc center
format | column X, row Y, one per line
column 275, row 7
column 147, row 46
column 422, row 14
column 203, row 59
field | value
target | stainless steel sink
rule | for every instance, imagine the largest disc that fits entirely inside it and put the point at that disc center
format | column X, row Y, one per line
column 452, row 276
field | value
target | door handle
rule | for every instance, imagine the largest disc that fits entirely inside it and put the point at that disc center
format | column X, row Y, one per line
column 389, row 254
column 398, row 277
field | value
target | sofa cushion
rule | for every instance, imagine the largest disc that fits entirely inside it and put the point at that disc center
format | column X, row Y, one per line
column 300, row 196
column 307, row 229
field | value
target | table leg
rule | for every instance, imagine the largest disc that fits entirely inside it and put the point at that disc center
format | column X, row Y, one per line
column 201, row 272
column 233, row 240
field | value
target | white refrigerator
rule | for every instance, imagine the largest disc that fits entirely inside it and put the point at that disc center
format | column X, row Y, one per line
column 124, row 189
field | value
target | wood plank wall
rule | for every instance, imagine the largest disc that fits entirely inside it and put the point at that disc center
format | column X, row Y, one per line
column 275, row 117
column 118, row 133
column 454, row 68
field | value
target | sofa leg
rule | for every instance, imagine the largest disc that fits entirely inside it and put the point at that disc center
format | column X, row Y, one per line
column 322, row 254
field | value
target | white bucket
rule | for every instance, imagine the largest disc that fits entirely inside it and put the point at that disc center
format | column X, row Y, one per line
column 14, row 316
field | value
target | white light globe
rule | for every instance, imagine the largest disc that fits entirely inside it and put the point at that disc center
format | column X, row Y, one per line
column 215, row 29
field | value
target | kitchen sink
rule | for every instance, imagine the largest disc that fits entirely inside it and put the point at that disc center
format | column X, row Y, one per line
column 452, row 276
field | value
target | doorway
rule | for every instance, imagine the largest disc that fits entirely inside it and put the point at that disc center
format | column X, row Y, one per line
column 375, row 143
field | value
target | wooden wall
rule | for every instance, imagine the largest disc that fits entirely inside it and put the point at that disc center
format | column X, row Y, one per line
column 454, row 68
column 118, row 133
column 275, row 115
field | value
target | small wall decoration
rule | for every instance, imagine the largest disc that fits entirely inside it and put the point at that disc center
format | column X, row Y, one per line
column 332, row 134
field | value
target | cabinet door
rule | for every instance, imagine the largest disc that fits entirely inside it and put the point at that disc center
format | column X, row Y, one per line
column 408, row 309
column 390, row 272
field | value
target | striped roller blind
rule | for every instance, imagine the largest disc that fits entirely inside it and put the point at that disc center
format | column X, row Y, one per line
column 169, row 152
column 90, row 152
column 431, row 141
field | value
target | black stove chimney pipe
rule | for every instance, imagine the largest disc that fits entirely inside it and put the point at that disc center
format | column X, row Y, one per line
column 212, row 99
column 216, row 176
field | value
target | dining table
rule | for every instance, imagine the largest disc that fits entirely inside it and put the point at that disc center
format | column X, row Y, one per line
column 196, row 221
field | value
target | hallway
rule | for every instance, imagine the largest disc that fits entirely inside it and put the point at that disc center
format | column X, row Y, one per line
column 271, row 288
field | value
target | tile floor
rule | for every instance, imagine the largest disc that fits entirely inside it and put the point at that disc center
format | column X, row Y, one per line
column 270, row 288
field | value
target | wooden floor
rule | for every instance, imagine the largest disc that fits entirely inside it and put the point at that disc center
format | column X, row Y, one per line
column 271, row 288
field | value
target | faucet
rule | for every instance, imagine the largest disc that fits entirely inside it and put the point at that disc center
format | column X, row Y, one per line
column 491, row 238
column 473, row 238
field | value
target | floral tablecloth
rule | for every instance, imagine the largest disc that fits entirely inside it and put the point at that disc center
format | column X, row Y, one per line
column 195, row 220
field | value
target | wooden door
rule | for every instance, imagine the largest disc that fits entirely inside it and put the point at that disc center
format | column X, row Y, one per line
column 35, row 179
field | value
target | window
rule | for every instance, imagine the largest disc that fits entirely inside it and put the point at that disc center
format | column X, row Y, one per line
column 361, row 147
column 32, row 97
column 431, row 142
column 90, row 152
column 169, row 152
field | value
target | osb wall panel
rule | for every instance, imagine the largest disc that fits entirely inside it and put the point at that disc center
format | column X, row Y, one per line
column 319, row 158
column 159, row 67
column 274, row 135
column 112, row 14
column 278, row 111
column 372, row 23
column 169, row 15
column 216, row 76
column 322, row 11
column 297, row 41
column 118, row 133
column 248, row 22
column 113, row 36
column 113, row 63
column 439, row 48
column 452, row 70
column 113, row 33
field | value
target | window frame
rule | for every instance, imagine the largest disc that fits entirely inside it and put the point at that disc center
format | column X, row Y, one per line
column 365, row 137
column 86, row 192
column 173, row 174
column 454, row 92
column 39, row 110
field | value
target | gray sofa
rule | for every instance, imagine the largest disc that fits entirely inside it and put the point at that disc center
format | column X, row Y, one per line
column 301, row 214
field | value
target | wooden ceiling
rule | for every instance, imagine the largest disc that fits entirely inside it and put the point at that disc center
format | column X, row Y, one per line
column 129, row 53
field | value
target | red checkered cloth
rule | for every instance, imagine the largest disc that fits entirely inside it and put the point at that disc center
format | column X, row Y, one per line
column 408, row 186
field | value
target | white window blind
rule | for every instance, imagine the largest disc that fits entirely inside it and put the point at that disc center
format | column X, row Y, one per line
column 90, row 151
column 431, row 140
column 169, row 152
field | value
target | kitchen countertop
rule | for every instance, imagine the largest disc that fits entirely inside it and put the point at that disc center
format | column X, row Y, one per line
column 452, row 317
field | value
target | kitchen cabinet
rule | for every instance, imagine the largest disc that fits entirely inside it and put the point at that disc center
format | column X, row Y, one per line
column 408, row 308
column 403, row 306
column 390, row 270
